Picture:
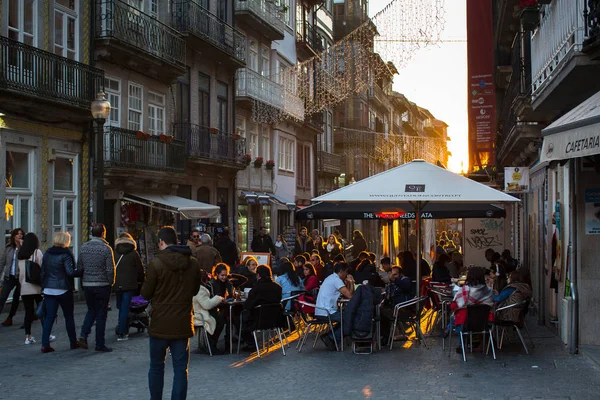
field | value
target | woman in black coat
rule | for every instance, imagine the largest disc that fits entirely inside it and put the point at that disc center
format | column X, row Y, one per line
column 58, row 271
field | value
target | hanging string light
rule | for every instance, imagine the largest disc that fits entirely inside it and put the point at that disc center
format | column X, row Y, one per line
column 347, row 67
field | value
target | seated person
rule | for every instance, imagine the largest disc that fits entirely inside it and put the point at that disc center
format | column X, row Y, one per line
column 311, row 284
column 289, row 281
column 384, row 271
column 205, row 310
column 440, row 269
column 248, row 270
column 515, row 292
column 455, row 265
column 358, row 314
column 400, row 289
column 265, row 291
column 327, row 300
column 362, row 256
column 474, row 291
column 328, row 270
column 222, row 286
column 299, row 262
column 315, row 260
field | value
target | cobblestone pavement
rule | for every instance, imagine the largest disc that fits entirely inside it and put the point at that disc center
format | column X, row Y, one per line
column 407, row 372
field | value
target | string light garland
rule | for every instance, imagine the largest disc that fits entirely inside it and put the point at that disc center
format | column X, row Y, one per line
column 353, row 63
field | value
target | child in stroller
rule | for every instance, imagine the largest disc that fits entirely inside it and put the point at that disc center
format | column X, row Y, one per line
column 138, row 317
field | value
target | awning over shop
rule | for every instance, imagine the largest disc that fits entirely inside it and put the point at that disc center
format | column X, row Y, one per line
column 575, row 134
column 264, row 198
column 278, row 199
column 345, row 210
column 187, row 209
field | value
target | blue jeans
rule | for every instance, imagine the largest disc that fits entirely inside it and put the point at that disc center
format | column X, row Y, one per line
column 96, row 298
column 123, row 302
column 51, row 303
column 180, row 355
column 337, row 330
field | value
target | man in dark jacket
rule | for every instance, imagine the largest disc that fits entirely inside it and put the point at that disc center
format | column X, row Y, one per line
column 265, row 291
column 399, row 290
column 303, row 242
column 206, row 254
column 98, row 265
column 228, row 249
column 130, row 277
column 263, row 243
column 172, row 280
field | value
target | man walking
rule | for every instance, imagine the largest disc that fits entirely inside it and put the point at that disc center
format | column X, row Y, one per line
column 263, row 243
column 98, row 264
column 227, row 249
column 206, row 254
column 172, row 280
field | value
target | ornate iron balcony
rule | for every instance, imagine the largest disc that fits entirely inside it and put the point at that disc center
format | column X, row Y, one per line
column 122, row 149
column 253, row 85
column 118, row 20
column 217, row 147
column 329, row 163
column 265, row 11
column 306, row 34
column 593, row 24
column 29, row 70
column 188, row 16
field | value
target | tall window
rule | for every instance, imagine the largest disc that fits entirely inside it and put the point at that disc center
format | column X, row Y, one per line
column 303, row 171
column 222, row 10
column 252, row 62
column 22, row 21
column 264, row 61
column 204, row 99
column 286, row 154
column 18, row 206
column 252, row 139
column 156, row 113
column 153, row 8
column 135, row 107
column 327, row 137
column 223, row 106
column 66, row 36
column 265, row 139
column 64, row 199
column 112, row 87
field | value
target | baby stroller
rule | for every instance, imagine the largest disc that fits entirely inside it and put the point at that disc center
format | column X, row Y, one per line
column 138, row 316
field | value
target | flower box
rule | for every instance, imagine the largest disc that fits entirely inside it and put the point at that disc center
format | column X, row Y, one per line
column 165, row 138
column 258, row 162
column 270, row 164
column 530, row 18
column 142, row 135
column 235, row 136
column 247, row 159
column 214, row 131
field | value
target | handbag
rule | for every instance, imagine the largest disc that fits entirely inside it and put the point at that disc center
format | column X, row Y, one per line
column 41, row 310
column 33, row 272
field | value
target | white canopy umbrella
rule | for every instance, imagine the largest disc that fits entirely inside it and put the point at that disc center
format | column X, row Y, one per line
column 418, row 183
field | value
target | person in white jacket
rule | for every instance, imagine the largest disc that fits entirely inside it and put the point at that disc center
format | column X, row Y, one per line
column 205, row 314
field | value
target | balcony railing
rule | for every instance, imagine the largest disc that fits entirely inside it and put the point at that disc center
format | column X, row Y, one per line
column 560, row 34
column 593, row 22
column 122, row 149
column 377, row 93
column 306, row 33
column 187, row 16
column 252, row 84
column 29, row 70
column 217, row 147
column 118, row 20
column 265, row 10
column 329, row 163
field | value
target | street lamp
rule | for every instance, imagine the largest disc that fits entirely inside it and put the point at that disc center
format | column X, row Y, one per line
column 100, row 111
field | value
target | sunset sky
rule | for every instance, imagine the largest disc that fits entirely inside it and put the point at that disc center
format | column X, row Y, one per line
column 436, row 78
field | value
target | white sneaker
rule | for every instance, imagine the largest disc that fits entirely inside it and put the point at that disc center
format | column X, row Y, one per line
column 52, row 338
column 30, row 340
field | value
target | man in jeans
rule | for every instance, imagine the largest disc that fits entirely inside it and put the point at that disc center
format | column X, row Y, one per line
column 172, row 280
column 98, row 264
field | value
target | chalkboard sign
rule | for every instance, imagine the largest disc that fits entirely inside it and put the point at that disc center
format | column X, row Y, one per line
column 289, row 234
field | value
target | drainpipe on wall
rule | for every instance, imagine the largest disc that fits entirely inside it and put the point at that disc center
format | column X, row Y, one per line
column 573, row 246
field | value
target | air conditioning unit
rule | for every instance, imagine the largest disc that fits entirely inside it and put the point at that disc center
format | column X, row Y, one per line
column 564, row 319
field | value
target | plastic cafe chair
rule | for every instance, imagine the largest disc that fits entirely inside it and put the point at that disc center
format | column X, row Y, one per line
column 319, row 324
column 269, row 320
column 203, row 335
column 412, row 319
column 523, row 305
column 477, row 322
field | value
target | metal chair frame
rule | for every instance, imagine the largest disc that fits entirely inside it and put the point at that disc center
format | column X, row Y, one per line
column 500, row 338
column 318, row 326
column 471, row 332
column 204, row 336
column 270, row 330
column 411, row 321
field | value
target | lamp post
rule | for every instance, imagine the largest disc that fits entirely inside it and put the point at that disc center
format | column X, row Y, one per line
column 100, row 111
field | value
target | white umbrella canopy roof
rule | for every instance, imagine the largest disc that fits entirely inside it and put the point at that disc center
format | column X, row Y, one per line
column 417, row 180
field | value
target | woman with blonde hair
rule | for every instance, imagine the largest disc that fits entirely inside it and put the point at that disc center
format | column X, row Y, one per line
column 331, row 249
column 58, row 271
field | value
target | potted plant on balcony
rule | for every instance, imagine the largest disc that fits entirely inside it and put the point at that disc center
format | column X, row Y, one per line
column 529, row 14
column 142, row 135
column 270, row 164
column 237, row 135
column 165, row 138
column 247, row 159
column 258, row 162
column 213, row 130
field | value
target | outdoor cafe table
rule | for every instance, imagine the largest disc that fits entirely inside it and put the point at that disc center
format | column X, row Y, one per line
column 231, row 303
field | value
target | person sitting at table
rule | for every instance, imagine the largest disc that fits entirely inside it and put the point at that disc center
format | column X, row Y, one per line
column 331, row 249
column 222, row 286
column 265, row 291
column 248, row 270
column 207, row 315
column 474, row 291
column 331, row 289
column 311, row 284
column 358, row 314
column 455, row 265
column 316, row 261
column 497, row 279
column 385, row 269
column 400, row 289
column 289, row 281
column 515, row 292
column 440, row 269
column 299, row 262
